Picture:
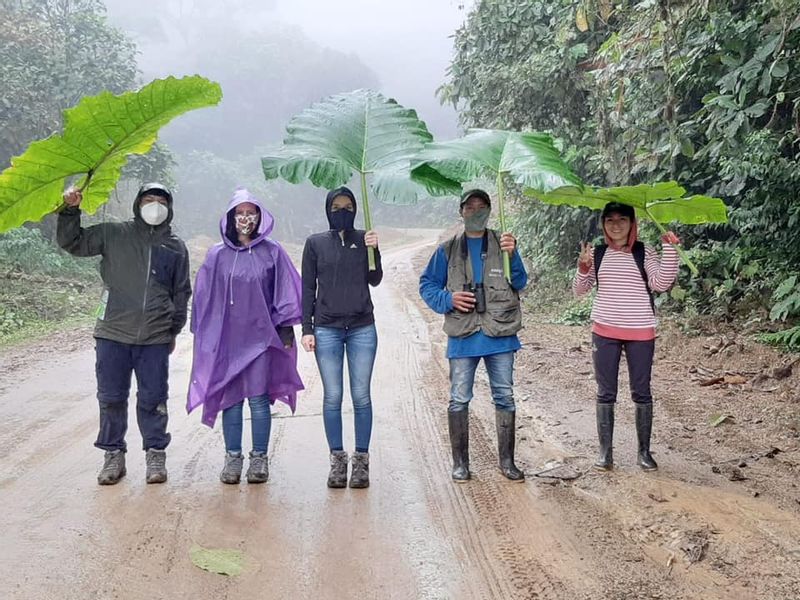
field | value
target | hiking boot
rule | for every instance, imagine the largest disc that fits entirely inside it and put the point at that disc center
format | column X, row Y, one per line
column 506, row 433
column 113, row 468
column 458, row 424
column 337, row 478
column 605, row 434
column 258, row 471
column 232, row 471
column 359, row 476
column 644, row 426
column 156, row 461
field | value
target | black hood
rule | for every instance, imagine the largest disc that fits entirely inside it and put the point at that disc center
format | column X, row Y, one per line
column 341, row 191
column 157, row 189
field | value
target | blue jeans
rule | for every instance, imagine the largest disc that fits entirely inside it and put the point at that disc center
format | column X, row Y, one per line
column 260, row 421
column 500, row 368
column 116, row 362
column 360, row 345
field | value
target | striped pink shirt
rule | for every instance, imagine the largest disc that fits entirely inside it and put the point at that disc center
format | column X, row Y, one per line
column 621, row 309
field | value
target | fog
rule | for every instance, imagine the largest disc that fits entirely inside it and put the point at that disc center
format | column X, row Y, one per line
column 273, row 59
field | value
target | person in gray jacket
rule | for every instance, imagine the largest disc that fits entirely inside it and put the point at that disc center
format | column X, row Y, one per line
column 145, row 272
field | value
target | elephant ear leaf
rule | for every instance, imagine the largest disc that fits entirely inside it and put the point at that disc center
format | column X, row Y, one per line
column 99, row 135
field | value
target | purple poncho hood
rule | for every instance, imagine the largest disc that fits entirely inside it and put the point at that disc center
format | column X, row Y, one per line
column 242, row 294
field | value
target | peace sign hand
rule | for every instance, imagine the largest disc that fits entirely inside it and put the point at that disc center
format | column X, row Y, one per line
column 585, row 259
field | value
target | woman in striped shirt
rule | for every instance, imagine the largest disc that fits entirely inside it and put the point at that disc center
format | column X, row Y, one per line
column 626, row 273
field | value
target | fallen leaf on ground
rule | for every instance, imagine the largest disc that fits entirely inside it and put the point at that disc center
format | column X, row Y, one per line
column 717, row 420
column 222, row 561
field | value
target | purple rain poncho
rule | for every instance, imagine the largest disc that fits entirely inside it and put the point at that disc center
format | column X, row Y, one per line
column 241, row 295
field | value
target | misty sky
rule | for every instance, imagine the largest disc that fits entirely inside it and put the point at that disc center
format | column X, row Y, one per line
column 407, row 43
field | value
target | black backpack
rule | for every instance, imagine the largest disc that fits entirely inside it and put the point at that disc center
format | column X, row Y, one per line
column 638, row 256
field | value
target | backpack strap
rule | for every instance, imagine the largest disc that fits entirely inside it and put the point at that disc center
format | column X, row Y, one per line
column 638, row 252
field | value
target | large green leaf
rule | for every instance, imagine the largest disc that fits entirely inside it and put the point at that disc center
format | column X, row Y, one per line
column 361, row 132
column 99, row 135
column 664, row 202
column 529, row 159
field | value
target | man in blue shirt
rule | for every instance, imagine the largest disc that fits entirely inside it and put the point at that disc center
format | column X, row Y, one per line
column 465, row 282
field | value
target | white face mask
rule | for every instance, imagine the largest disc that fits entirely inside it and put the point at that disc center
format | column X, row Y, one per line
column 154, row 213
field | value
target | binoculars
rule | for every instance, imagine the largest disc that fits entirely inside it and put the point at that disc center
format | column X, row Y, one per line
column 480, row 296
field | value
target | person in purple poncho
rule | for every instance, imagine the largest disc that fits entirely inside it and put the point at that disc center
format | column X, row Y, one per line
column 246, row 302
column 338, row 320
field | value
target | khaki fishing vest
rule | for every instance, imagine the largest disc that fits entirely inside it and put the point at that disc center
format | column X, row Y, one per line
column 503, row 316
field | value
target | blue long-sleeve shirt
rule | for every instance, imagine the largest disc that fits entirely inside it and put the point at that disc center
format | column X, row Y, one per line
column 433, row 289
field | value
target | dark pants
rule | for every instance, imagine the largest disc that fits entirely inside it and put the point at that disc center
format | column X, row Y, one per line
column 606, row 353
column 115, row 363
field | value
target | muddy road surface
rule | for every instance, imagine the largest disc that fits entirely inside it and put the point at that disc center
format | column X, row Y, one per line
column 566, row 533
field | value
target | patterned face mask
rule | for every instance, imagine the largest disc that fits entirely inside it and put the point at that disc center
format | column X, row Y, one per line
column 245, row 224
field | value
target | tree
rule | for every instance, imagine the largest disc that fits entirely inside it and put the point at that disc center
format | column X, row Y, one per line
column 52, row 53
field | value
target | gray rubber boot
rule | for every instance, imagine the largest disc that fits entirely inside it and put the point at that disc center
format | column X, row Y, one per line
column 113, row 468
column 506, row 433
column 605, row 434
column 458, row 424
column 156, row 461
column 644, row 427
column 359, row 476
column 258, row 471
column 232, row 471
column 337, row 478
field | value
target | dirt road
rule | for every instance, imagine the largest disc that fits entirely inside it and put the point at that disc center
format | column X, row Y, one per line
column 412, row 534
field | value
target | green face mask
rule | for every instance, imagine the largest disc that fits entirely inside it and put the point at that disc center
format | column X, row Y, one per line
column 477, row 221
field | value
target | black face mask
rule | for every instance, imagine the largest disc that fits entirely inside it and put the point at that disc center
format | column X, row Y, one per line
column 342, row 220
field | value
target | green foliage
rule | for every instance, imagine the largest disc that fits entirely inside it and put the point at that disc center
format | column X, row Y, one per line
column 577, row 312
column 42, row 286
column 788, row 339
column 706, row 93
column 99, row 135
column 25, row 250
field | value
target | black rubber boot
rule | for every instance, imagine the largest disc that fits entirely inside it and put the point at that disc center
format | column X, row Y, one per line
column 458, row 423
column 506, row 434
column 644, row 426
column 605, row 434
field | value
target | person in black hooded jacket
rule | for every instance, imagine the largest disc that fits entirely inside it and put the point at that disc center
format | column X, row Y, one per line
column 338, row 319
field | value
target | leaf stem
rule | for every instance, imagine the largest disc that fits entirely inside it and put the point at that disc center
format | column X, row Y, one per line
column 681, row 252
column 502, row 207
column 367, row 219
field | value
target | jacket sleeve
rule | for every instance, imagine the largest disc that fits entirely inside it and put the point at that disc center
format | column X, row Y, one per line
column 519, row 276
column 583, row 283
column 309, row 278
column 181, row 291
column 375, row 277
column 661, row 272
column 75, row 239
column 433, row 283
